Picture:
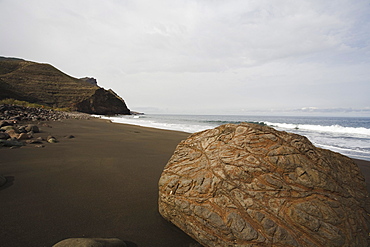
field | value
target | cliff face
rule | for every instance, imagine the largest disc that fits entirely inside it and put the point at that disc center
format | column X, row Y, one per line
column 44, row 84
column 103, row 102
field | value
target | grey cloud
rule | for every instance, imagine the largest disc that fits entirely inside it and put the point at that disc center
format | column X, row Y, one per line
column 232, row 54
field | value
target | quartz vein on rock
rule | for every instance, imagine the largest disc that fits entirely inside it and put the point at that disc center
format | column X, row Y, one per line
column 250, row 185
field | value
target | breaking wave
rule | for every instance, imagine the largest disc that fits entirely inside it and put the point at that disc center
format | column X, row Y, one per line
column 320, row 128
column 348, row 136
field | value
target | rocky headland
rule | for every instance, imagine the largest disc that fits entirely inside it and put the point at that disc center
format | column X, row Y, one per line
column 45, row 85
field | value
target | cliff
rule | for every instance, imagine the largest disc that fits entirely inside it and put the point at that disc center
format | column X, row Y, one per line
column 45, row 85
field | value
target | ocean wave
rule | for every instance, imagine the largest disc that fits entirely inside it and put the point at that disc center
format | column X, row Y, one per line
column 321, row 128
column 351, row 141
column 352, row 152
column 145, row 122
column 221, row 122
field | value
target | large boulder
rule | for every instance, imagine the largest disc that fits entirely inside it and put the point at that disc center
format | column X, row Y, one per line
column 251, row 185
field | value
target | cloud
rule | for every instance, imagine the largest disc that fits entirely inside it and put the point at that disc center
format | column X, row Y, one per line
column 230, row 54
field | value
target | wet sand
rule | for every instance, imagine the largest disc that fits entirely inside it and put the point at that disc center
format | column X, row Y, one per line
column 102, row 183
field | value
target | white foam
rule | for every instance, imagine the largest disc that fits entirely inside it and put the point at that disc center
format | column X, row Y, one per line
column 350, row 141
column 145, row 122
column 327, row 129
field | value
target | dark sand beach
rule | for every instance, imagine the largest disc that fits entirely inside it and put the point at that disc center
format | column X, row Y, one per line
column 102, row 183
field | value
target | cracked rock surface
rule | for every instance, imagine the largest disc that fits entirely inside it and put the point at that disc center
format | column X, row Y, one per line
column 251, row 185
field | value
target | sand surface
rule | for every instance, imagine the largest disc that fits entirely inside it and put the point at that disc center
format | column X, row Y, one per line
column 102, row 183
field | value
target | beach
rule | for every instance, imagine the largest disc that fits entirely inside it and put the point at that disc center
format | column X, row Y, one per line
column 101, row 183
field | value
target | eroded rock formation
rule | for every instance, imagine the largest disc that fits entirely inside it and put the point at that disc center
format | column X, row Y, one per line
column 250, row 185
column 90, row 80
column 103, row 102
column 46, row 85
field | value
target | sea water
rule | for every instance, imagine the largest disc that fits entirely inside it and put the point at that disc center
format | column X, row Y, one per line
column 347, row 135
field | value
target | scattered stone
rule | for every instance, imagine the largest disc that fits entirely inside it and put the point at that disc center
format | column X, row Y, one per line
column 70, row 136
column 40, row 139
column 12, row 133
column 15, row 113
column 7, row 127
column 23, row 136
column 34, row 141
column 22, row 129
column 32, row 128
column 91, row 242
column 46, row 125
column 11, row 143
column 39, row 146
column 2, row 180
column 250, row 185
column 14, row 147
column 12, row 115
column 5, row 123
column 51, row 139
column 4, row 135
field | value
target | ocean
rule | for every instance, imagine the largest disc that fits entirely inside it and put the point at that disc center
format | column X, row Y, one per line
column 346, row 135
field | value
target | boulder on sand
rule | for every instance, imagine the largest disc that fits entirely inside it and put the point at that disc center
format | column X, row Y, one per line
column 51, row 139
column 11, row 143
column 250, row 185
column 12, row 133
column 33, row 128
column 2, row 180
column 4, row 135
column 91, row 242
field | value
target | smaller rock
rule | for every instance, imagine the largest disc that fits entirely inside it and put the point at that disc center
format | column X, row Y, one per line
column 12, row 133
column 23, row 136
column 39, row 146
column 22, row 129
column 46, row 125
column 91, row 242
column 5, row 123
column 33, row 128
column 2, row 180
column 8, row 127
column 40, row 139
column 34, row 141
column 4, row 135
column 70, row 136
column 11, row 143
column 16, row 119
column 51, row 139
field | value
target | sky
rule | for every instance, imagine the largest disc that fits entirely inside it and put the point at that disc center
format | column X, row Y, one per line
column 204, row 56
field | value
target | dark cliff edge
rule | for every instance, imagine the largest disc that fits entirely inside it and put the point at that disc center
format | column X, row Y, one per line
column 103, row 102
column 46, row 85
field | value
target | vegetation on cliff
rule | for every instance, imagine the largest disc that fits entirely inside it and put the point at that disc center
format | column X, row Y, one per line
column 45, row 85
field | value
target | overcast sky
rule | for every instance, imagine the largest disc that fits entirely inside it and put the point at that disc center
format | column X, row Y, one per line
column 203, row 56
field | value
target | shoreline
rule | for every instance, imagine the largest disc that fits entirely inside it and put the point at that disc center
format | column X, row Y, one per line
column 313, row 130
column 102, row 183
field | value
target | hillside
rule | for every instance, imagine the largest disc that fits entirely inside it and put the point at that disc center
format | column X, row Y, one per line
column 45, row 85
